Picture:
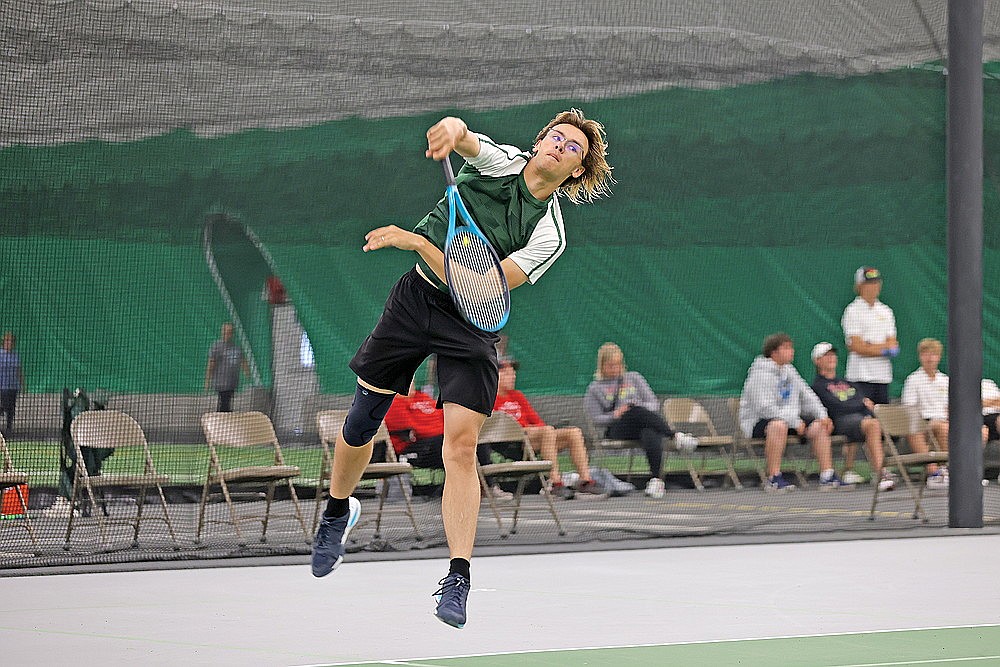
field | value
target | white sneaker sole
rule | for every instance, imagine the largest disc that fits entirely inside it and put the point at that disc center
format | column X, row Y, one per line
column 354, row 513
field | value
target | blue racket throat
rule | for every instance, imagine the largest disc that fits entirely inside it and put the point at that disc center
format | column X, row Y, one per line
column 476, row 281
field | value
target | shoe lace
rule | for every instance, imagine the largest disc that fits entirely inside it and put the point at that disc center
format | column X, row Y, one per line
column 454, row 582
column 324, row 538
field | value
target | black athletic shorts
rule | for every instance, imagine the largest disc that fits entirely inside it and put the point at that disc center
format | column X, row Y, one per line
column 849, row 426
column 420, row 320
column 990, row 422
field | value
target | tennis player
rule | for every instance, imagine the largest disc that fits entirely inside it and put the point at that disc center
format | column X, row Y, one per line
column 514, row 197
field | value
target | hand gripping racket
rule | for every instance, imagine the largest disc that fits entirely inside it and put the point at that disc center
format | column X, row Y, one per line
column 471, row 266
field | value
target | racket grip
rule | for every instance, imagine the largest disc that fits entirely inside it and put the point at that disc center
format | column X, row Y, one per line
column 449, row 175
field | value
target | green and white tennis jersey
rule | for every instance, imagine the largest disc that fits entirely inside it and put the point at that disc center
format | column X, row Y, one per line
column 526, row 229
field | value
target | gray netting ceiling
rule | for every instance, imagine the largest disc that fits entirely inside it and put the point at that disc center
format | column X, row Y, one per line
column 120, row 70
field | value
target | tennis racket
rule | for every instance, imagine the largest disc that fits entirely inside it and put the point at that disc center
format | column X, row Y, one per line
column 471, row 265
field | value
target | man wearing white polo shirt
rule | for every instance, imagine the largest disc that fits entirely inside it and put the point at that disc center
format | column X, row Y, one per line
column 870, row 334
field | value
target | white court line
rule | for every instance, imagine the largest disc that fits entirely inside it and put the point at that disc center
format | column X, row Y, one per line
column 407, row 661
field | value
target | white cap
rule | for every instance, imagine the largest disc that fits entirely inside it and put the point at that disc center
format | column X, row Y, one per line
column 820, row 349
column 866, row 274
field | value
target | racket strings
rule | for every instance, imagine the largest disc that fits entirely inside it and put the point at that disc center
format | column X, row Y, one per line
column 477, row 282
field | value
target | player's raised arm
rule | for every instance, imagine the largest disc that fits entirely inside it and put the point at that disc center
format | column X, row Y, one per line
column 451, row 134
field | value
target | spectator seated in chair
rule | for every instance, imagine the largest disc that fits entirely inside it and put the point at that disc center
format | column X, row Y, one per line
column 852, row 415
column 776, row 402
column 622, row 403
column 926, row 389
column 546, row 440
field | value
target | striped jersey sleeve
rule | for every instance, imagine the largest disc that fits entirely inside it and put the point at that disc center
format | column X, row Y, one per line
column 498, row 159
column 546, row 243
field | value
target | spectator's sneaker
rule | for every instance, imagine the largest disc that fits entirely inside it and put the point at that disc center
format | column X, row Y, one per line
column 452, row 598
column 570, row 479
column 655, row 488
column 851, row 478
column 328, row 545
column 887, row 482
column 60, row 509
column 685, row 442
column 499, row 495
column 591, row 489
column 938, row 481
column 830, row 483
column 562, row 491
column 778, row 484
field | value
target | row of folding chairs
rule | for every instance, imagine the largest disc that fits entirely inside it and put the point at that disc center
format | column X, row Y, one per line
column 897, row 422
column 262, row 464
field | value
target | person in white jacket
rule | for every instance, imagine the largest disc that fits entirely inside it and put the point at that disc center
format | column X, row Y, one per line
column 776, row 402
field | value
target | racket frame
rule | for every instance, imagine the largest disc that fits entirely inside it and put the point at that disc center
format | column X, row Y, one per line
column 456, row 210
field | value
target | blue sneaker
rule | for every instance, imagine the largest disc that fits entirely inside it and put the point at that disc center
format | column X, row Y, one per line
column 830, row 483
column 452, row 597
column 328, row 545
column 777, row 483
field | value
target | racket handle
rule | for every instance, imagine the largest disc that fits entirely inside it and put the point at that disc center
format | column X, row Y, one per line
column 449, row 175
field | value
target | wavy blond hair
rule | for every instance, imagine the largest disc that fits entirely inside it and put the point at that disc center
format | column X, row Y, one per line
column 604, row 354
column 596, row 179
column 930, row 345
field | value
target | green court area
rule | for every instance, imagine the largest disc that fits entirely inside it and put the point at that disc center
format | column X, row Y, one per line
column 979, row 645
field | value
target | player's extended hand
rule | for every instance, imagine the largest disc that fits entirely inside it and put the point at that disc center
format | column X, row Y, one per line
column 391, row 237
column 443, row 136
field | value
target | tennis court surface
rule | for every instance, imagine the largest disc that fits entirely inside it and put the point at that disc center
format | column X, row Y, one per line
column 931, row 600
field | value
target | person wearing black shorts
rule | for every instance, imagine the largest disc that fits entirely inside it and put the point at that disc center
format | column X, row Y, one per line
column 852, row 414
column 512, row 195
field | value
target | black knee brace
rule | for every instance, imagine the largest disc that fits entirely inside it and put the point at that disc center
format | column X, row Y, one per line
column 367, row 412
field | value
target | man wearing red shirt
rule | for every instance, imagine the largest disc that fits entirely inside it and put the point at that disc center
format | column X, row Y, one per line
column 415, row 418
column 416, row 428
column 546, row 440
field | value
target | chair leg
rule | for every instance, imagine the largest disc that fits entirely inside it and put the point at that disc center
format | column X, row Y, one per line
column 695, row 477
column 518, row 492
column 760, row 468
column 201, row 509
column 27, row 519
column 166, row 517
column 409, row 509
column 904, row 473
column 72, row 507
column 233, row 518
column 552, row 507
column 267, row 511
column 298, row 511
column 731, row 470
column 382, row 495
column 919, row 509
column 140, row 501
column 102, row 526
column 871, row 514
column 491, row 500
column 321, row 487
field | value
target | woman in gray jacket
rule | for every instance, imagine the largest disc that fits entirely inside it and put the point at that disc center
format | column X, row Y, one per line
column 621, row 403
